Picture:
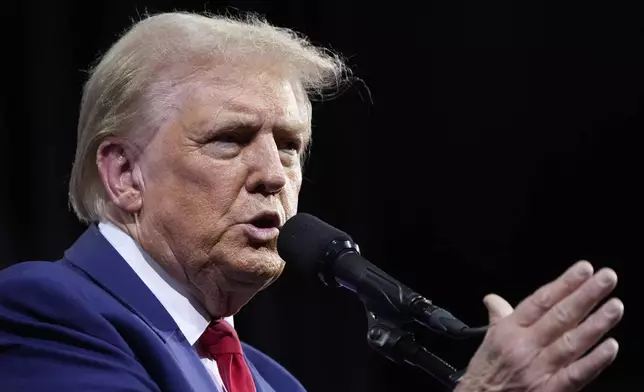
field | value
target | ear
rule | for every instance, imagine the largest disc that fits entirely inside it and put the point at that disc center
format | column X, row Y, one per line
column 116, row 167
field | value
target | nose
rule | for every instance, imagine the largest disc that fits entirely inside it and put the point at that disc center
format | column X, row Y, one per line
column 267, row 175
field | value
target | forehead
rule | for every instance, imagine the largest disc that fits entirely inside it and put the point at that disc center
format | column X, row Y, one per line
column 249, row 98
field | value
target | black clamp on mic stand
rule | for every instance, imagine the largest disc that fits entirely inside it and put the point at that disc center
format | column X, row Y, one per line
column 387, row 337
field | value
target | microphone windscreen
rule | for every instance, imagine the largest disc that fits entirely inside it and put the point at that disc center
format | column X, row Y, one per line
column 303, row 241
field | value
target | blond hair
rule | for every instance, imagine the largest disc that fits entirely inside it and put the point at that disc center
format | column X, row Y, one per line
column 139, row 72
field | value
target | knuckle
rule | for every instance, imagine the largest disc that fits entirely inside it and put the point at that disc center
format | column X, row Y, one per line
column 542, row 299
column 561, row 314
column 575, row 377
column 510, row 346
column 568, row 343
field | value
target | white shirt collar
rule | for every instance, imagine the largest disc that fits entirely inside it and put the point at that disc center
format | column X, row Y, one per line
column 189, row 315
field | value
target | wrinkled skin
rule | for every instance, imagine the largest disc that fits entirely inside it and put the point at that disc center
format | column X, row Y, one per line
column 543, row 344
column 228, row 150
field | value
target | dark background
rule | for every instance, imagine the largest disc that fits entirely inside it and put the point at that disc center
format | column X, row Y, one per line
column 493, row 145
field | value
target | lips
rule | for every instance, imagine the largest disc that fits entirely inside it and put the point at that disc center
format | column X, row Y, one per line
column 263, row 227
column 266, row 220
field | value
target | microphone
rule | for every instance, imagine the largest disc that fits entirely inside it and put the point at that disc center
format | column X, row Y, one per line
column 312, row 246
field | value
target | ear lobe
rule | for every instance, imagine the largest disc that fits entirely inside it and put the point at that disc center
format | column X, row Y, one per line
column 116, row 168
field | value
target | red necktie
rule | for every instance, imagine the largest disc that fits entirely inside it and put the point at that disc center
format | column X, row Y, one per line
column 220, row 340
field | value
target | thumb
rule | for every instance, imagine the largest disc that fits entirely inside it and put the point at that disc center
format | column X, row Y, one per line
column 497, row 307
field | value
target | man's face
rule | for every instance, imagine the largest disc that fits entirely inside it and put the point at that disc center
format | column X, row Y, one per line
column 219, row 180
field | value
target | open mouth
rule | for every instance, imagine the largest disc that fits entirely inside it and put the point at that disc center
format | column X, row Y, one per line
column 266, row 221
column 263, row 228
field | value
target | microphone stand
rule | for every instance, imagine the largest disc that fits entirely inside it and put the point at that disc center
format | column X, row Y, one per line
column 386, row 335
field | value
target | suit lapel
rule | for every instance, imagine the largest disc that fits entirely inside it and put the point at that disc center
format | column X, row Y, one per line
column 93, row 254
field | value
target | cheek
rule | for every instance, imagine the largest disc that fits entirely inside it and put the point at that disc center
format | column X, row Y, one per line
column 208, row 187
column 292, row 192
column 191, row 184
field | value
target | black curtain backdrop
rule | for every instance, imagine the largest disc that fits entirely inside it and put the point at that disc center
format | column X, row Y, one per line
column 490, row 146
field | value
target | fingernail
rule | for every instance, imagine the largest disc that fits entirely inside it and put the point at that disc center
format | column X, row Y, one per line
column 607, row 277
column 611, row 346
column 613, row 308
column 583, row 269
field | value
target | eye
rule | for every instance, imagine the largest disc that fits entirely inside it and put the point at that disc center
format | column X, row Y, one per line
column 232, row 139
column 292, row 146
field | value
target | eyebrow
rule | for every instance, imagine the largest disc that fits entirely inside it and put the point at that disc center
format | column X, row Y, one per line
column 230, row 117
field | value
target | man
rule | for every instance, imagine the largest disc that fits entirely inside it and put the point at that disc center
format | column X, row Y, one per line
column 191, row 137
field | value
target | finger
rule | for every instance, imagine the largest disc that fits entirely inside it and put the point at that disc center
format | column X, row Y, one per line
column 497, row 308
column 570, row 311
column 535, row 306
column 574, row 343
column 578, row 374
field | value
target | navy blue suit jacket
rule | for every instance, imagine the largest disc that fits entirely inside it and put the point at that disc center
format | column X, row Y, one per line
column 88, row 323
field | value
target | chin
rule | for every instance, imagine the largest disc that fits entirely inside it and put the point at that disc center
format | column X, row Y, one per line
column 262, row 266
column 245, row 270
column 242, row 282
column 233, row 275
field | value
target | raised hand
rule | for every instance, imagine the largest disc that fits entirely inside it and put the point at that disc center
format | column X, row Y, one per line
column 543, row 344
